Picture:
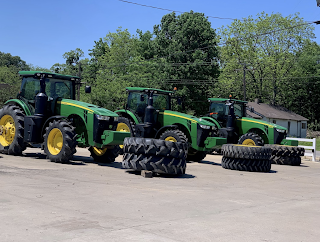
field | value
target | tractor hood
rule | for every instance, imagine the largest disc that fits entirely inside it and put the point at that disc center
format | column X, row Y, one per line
column 87, row 106
column 270, row 125
column 193, row 119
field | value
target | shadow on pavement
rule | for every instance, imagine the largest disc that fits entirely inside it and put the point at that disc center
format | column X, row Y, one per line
column 209, row 163
column 184, row 176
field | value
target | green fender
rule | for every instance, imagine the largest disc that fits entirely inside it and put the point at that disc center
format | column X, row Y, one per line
column 124, row 113
column 212, row 120
column 21, row 104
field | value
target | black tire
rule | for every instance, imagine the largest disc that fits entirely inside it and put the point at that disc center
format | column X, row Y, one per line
column 15, row 145
column 130, row 125
column 157, row 164
column 284, row 150
column 108, row 155
column 286, row 160
column 154, row 147
column 195, row 155
column 68, row 137
column 246, row 165
column 177, row 134
column 253, row 138
column 246, row 152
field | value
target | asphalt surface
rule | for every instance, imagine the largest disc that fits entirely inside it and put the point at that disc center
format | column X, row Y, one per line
column 87, row 201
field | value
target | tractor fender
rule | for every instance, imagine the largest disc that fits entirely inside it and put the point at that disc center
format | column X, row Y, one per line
column 127, row 114
column 58, row 117
column 165, row 128
column 212, row 120
column 20, row 104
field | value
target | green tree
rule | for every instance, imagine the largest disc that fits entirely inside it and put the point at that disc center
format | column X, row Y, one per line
column 6, row 59
column 188, row 43
column 266, row 49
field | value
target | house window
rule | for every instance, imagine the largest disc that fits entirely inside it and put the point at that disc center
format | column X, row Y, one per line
column 274, row 121
column 304, row 126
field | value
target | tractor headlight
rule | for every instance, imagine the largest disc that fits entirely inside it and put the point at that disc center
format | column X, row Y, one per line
column 101, row 117
column 281, row 130
column 205, row 126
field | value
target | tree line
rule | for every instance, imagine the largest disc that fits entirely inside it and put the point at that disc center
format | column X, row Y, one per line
column 274, row 57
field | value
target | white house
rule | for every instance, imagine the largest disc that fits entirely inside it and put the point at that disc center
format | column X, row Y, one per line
column 296, row 124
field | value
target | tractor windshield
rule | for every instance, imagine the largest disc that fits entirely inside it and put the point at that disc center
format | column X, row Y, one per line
column 30, row 87
column 137, row 102
column 220, row 111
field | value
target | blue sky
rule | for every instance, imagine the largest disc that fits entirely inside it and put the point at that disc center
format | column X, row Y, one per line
column 40, row 32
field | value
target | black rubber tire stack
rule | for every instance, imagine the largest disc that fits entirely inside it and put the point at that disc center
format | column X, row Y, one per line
column 246, row 158
column 286, row 155
column 154, row 155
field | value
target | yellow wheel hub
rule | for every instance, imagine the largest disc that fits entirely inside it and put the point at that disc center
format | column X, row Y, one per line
column 249, row 142
column 122, row 127
column 170, row 138
column 99, row 152
column 55, row 141
column 7, row 130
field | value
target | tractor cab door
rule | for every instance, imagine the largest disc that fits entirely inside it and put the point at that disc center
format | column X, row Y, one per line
column 219, row 111
column 137, row 103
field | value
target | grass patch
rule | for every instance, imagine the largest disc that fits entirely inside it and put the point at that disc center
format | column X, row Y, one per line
column 310, row 144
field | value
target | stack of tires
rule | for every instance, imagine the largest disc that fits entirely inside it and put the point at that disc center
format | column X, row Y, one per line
column 158, row 156
column 246, row 158
column 286, row 155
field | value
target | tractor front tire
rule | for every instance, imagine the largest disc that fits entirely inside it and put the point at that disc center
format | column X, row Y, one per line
column 195, row 155
column 251, row 139
column 125, row 125
column 104, row 155
column 174, row 135
column 12, row 130
column 60, row 141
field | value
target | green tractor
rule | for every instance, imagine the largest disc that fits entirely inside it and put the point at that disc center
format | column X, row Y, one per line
column 45, row 114
column 148, row 114
column 229, row 116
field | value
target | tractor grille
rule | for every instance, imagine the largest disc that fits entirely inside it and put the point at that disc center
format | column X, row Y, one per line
column 202, row 135
column 101, row 125
column 278, row 137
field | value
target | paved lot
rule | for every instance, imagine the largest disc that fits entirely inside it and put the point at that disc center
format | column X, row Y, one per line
column 86, row 201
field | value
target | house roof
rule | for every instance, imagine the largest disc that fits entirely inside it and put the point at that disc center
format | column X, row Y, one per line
column 275, row 112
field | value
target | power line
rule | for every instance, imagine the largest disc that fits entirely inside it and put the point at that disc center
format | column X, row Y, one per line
column 165, row 9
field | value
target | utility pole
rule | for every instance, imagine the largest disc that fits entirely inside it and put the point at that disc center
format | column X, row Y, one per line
column 78, row 86
column 244, row 79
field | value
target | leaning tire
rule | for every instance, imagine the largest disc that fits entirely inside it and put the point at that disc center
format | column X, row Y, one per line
column 251, row 139
column 157, row 164
column 12, row 130
column 104, row 155
column 60, row 141
column 286, row 160
column 246, row 152
column 246, row 165
column 284, row 150
column 154, row 147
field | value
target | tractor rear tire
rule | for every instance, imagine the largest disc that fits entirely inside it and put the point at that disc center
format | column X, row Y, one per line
column 286, row 160
column 154, row 147
column 125, row 125
column 157, row 164
column 251, row 139
column 60, row 141
column 12, row 118
column 246, row 165
column 104, row 155
column 246, row 152
column 284, row 150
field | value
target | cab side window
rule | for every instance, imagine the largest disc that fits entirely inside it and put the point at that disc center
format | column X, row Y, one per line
column 30, row 88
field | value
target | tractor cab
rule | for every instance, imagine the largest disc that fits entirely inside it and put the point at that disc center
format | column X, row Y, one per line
column 138, row 99
column 220, row 108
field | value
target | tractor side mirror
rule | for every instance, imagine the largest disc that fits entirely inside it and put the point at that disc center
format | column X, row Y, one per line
column 87, row 89
column 141, row 98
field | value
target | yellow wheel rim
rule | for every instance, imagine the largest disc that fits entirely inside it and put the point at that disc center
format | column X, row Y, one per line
column 99, row 152
column 55, row 141
column 8, row 128
column 249, row 142
column 122, row 127
column 170, row 138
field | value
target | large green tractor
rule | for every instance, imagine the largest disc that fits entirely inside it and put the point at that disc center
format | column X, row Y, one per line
column 229, row 116
column 148, row 114
column 45, row 114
